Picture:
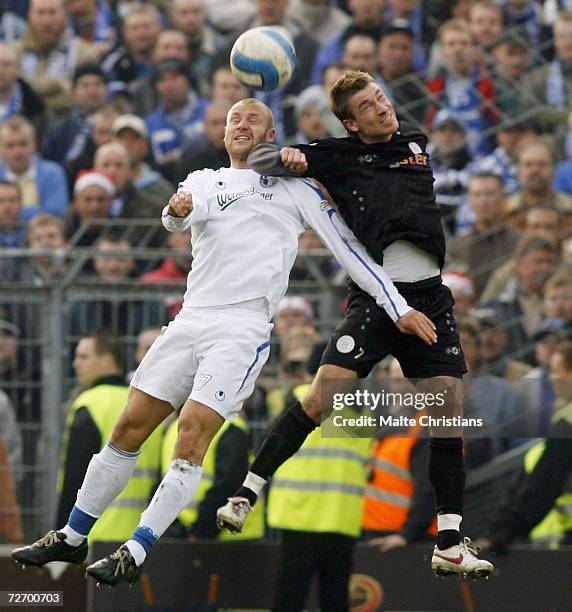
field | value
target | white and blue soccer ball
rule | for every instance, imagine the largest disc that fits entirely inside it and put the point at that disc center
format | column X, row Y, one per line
column 263, row 58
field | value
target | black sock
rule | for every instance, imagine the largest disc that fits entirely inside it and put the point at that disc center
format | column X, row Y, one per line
column 447, row 477
column 285, row 436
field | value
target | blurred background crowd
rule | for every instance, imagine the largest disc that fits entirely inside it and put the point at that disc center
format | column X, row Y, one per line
column 105, row 105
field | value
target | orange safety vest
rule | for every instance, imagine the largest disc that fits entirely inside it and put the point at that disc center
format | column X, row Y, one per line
column 390, row 489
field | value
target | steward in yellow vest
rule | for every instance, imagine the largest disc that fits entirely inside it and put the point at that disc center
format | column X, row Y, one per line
column 224, row 467
column 543, row 506
column 316, row 498
column 89, row 424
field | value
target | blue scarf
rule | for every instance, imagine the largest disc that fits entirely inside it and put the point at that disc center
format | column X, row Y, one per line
column 103, row 30
column 555, row 89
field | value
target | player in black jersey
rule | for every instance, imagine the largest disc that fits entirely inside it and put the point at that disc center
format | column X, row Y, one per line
column 381, row 180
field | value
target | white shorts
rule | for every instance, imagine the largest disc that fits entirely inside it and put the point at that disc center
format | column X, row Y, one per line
column 211, row 355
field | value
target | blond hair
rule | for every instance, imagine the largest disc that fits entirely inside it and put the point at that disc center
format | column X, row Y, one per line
column 454, row 25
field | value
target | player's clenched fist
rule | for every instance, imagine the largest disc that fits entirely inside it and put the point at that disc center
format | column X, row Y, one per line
column 180, row 204
column 293, row 159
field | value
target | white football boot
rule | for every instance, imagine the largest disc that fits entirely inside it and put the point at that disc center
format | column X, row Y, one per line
column 232, row 515
column 460, row 559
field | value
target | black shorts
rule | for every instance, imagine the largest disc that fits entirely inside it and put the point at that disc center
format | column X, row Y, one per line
column 367, row 334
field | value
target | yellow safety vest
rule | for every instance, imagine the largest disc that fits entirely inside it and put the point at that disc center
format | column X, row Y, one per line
column 254, row 526
column 321, row 487
column 104, row 404
column 558, row 521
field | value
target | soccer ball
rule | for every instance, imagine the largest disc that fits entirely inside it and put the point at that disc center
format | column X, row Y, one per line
column 263, row 58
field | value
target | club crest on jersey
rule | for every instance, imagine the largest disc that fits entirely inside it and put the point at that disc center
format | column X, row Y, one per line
column 267, row 181
column 220, row 185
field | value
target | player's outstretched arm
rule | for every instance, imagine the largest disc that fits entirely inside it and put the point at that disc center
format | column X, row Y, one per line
column 271, row 160
column 176, row 215
column 369, row 275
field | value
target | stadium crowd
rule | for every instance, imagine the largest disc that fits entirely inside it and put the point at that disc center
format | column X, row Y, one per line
column 106, row 105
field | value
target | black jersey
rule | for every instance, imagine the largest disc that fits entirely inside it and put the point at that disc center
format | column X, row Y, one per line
column 384, row 191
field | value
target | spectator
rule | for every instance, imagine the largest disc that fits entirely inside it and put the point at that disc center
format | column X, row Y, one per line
column 178, row 118
column 131, row 132
column 540, row 507
column 93, row 196
column 11, row 231
column 51, row 54
column 10, row 520
column 322, row 19
column 462, row 288
column 94, row 22
column 203, row 41
column 45, row 235
column 487, row 397
column 563, row 180
column 524, row 15
column 174, row 269
column 502, row 161
column 360, row 53
column 210, row 154
column 98, row 366
column 144, row 341
column 539, row 222
column 12, row 24
column 494, row 344
column 67, row 140
column 512, row 58
column 130, row 202
column 230, row 22
column 42, row 183
column 450, row 159
column 114, row 264
column 132, row 59
column 520, row 303
column 310, row 110
column 227, row 87
column 293, row 311
column 490, row 242
column 16, row 96
column 551, row 83
column 558, row 297
column 395, row 56
column 486, row 25
column 304, row 268
column 171, row 44
column 367, row 17
column 464, row 86
column 100, row 133
column 536, row 162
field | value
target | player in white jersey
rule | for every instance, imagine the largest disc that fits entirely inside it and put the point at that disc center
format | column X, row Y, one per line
column 245, row 234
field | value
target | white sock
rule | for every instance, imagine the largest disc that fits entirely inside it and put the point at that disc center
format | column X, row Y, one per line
column 107, row 475
column 254, row 482
column 449, row 521
column 73, row 538
column 176, row 491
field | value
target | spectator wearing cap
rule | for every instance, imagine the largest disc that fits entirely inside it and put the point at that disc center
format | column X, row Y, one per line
column 494, row 344
column 311, row 112
column 413, row 14
column 16, row 96
column 520, row 302
column 66, row 141
column 293, row 311
column 464, row 86
column 171, row 44
column 367, row 17
column 547, row 336
column 131, row 132
column 208, row 154
column 502, row 161
column 462, row 288
column 51, row 53
column 490, row 242
column 450, row 159
column 536, row 166
column 93, row 197
column 133, row 58
column 396, row 51
column 42, row 183
column 551, row 84
column 322, row 19
column 512, row 56
column 94, row 21
column 203, row 41
column 179, row 117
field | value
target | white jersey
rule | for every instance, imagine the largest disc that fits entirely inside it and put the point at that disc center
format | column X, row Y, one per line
column 245, row 230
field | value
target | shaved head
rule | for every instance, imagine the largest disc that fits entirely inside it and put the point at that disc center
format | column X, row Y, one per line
column 258, row 105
